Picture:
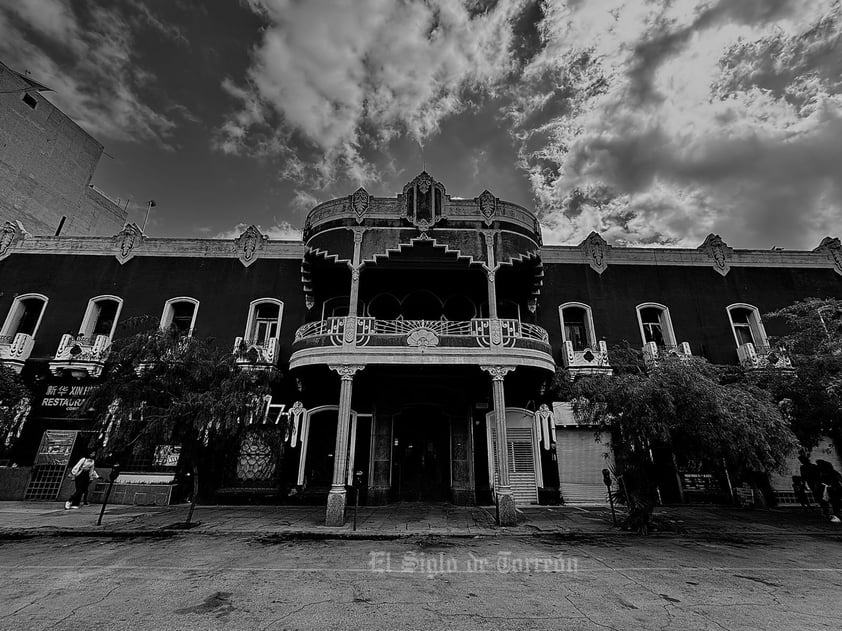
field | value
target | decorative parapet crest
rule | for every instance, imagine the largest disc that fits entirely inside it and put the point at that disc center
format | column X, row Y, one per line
column 422, row 338
column 127, row 241
column 10, row 234
column 545, row 426
column 595, row 250
column 487, row 206
column 249, row 244
column 719, row 252
column 831, row 247
column 360, row 201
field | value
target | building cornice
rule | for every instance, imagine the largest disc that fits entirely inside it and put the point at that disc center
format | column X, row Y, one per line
column 251, row 245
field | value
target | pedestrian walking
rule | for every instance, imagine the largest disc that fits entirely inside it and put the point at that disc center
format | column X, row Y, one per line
column 83, row 472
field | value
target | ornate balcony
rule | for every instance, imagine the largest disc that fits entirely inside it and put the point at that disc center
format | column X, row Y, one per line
column 588, row 361
column 81, row 356
column 476, row 341
column 15, row 350
column 256, row 355
column 653, row 354
column 763, row 357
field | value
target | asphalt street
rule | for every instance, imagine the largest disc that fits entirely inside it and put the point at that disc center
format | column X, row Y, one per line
column 193, row 581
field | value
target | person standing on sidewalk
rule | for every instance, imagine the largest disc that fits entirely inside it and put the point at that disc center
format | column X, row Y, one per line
column 83, row 473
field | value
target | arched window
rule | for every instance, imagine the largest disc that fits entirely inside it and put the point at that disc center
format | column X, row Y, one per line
column 421, row 305
column 577, row 325
column 746, row 325
column 508, row 310
column 655, row 324
column 384, row 307
column 264, row 321
column 335, row 307
column 180, row 313
column 101, row 317
column 25, row 315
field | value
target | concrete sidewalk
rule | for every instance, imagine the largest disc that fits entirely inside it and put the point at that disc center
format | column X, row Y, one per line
column 397, row 520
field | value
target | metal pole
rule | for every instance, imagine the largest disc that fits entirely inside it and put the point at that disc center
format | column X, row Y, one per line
column 356, row 505
column 105, row 502
column 149, row 206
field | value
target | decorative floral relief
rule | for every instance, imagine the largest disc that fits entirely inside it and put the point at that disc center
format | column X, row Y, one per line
column 595, row 250
column 487, row 206
column 832, row 248
column 422, row 337
column 127, row 240
column 719, row 252
column 10, row 234
column 359, row 202
column 248, row 244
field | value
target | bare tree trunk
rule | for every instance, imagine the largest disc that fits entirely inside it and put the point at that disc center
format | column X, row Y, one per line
column 195, row 493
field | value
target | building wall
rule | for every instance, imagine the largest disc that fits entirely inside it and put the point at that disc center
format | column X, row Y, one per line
column 696, row 297
column 46, row 165
column 224, row 288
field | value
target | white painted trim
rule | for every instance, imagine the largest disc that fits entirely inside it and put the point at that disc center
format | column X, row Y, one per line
column 166, row 316
column 253, row 314
column 14, row 313
column 758, row 331
column 305, row 436
column 665, row 319
column 88, row 319
column 591, row 332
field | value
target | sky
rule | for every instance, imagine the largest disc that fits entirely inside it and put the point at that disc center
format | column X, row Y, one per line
column 648, row 121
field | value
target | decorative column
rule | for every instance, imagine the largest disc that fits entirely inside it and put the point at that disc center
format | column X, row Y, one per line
column 494, row 330
column 335, row 513
column 354, row 293
column 506, row 514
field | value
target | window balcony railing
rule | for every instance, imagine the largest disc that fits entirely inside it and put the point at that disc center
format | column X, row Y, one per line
column 591, row 360
column 260, row 354
column 763, row 357
column 15, row 350
column 653, row 354
column 81, row 355
column 369, row 331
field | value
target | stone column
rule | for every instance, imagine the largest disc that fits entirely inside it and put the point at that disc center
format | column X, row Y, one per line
column 506, row 513
column 335, row 513
column 494, row 329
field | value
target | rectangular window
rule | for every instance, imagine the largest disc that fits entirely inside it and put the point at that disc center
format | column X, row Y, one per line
column 30, row 100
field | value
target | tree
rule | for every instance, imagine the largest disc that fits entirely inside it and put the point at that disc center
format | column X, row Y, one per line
column 684, row 405
column 162, row 388
column 814, row 342
column 14, row 407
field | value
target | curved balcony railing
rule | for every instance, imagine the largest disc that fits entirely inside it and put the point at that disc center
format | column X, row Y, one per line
column 479, row 332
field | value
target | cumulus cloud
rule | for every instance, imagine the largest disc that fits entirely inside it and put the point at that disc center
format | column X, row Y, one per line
column 348, row 76
column 282, row 231
column 660, row 122
column 85, row 53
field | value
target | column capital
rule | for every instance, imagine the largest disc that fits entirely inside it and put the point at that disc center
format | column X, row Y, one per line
column 346, row 371
column 497, row 373
column 358, row 233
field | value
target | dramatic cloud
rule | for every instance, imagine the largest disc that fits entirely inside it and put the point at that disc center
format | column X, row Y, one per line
column 85, row 53
column 660, row 122
column 352, row 75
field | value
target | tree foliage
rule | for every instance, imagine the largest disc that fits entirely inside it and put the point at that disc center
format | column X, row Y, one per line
column 685, row 405
column 163, row 388
column 14, row 405
column 814, row 392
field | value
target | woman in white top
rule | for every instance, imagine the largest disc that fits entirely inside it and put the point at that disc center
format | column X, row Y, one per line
column 83, row 473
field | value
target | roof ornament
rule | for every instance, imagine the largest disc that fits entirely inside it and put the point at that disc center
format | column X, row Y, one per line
column 832, row 249
column 249, row 244
column 10, row 234
column 127, row 240
column 595, row 250
column 360, row 201
column 719, row 252
column 487, row 206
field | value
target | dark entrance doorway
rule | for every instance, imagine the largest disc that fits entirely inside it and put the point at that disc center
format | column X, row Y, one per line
column 318, row 472
column 421, row 456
